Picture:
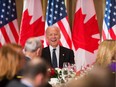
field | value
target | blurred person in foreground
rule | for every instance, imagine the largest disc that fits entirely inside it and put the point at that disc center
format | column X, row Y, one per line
column 55, row 54
column 96, row 77
column 34, row 74
column 112, row 65
column 18, row 49
column 103, row 73
column 32, row 48
column 106, row 58
column 105, row 52
column 10, row 63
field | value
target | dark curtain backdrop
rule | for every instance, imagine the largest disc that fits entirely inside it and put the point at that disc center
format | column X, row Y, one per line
column 70, row 5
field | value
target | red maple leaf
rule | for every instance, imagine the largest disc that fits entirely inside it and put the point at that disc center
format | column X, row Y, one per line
column 83, row 32
column 30, row 30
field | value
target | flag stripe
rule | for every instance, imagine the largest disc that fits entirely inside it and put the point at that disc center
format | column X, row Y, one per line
column 103, row 35
column 106, row 33
column 67, row 38
column 67, row 27
column 0, row 44
column 5, row 35
column 114, row 29
column 14, row 32
column 111, row 32
column 16, row 26
column 9, row 33
column 62, row 39
column 2, row 40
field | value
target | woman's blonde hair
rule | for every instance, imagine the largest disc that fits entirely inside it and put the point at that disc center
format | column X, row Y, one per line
column 105, row 52
column 9, row 62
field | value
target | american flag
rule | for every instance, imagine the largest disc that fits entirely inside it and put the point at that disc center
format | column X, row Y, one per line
column 109, row 23
column 8, row 22
column 57, row 15
column 32, row 23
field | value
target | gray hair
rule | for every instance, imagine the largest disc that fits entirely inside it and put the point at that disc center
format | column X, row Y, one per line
column 32, row 44
column 52, row 27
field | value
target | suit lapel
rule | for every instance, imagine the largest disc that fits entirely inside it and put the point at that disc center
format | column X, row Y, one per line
column 61, row 57
column 49, row 55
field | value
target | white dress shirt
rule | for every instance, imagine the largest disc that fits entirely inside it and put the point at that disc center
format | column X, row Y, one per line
column 57, row 53
column 27, row 83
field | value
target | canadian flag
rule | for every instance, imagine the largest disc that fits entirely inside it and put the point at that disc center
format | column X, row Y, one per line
column 32, row 24
column 85, row 34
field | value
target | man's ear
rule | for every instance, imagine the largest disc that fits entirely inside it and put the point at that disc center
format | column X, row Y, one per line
column 38, row 79
column 39, row 51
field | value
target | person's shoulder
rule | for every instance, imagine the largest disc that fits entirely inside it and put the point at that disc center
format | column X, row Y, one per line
column 4, row 82
column 64, row 48
column 15, row 83
column 45, row 48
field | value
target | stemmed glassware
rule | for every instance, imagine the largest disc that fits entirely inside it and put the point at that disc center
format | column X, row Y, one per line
column 65, row 71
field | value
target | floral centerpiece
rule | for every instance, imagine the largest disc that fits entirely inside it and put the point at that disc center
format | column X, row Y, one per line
column 59, row 75
column 54, row 75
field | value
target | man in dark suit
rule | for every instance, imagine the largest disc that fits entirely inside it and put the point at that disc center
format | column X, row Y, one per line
column 55, row 54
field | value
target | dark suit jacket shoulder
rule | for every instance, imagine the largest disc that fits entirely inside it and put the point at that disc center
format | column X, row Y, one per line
column 65, row 55
column 4, row 82
column 46, row 55
column 15, row 83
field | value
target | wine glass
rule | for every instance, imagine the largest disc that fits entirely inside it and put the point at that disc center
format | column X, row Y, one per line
column 65, row 71
column 72, row 71
column 73, row 67
column 66, row 64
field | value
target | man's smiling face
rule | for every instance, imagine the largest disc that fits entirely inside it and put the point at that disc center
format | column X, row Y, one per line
column 53, row 36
